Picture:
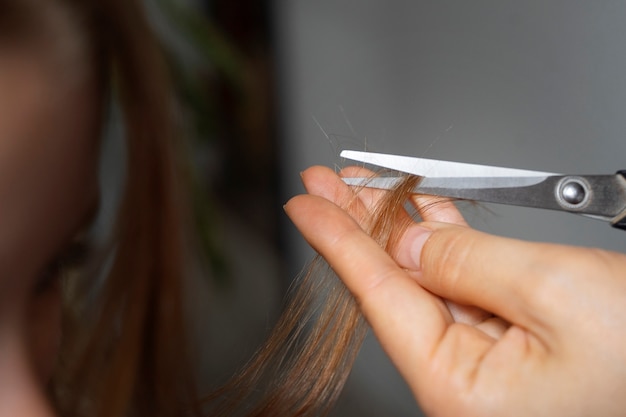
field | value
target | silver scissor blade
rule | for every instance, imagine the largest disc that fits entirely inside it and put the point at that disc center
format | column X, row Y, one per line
column 437, row 169
column 447, row 185
column 535, row 192
column 606, row 194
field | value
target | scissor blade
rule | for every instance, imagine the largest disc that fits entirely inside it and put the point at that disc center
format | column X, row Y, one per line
column 535, row 192
column 447, row 186
column 606, row 193
column 437, row 169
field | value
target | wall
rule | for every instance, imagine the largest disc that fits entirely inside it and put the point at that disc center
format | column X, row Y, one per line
column 534, row 84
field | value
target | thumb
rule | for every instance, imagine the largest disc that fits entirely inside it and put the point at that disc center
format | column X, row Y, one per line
column 500, row 275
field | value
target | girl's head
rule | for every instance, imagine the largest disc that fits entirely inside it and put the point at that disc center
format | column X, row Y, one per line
column 50, row 112
column 59, row 60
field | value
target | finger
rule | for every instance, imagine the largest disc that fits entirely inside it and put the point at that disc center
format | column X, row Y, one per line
column 493, row 327
column 465, row 314
column 504, row 276
column 437, row 209
column 440, row 209
column 324, row 182
column 408, row 320
column 368, row 195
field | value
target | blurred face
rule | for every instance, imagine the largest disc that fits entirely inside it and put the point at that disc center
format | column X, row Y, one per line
column 48, row 192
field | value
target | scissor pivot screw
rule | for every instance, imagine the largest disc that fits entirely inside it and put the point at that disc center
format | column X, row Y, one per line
column 573, row 193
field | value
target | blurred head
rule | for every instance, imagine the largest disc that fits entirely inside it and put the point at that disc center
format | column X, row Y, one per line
column 50, row 112
column 60, row 61
column 126, row 354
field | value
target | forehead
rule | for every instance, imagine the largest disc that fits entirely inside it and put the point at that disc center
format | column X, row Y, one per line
column 49, row 123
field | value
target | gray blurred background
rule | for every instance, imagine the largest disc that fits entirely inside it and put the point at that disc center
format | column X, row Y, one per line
column 534, row 84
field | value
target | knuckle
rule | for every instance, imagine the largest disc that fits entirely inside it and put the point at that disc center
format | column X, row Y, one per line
column 445, row 256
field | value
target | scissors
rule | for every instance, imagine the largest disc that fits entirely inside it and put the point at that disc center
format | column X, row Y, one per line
column 600, row 197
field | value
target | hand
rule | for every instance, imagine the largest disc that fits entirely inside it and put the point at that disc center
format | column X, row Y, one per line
column 546, row 331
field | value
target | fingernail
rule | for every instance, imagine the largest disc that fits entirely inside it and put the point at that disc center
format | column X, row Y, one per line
column 417, row 238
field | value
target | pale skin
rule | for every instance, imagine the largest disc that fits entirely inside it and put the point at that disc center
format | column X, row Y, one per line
column 49, row 124
column 545, row 336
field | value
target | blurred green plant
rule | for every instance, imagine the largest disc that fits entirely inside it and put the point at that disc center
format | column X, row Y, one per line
column 217, row 59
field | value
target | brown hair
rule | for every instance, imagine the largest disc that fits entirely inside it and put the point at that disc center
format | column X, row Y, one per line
column 303, row 366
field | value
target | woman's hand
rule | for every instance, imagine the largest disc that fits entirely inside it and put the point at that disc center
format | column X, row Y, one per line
column 546, row 331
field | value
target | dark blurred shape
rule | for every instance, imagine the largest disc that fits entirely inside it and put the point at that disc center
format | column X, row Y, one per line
column 245, row 128
column 229, row 107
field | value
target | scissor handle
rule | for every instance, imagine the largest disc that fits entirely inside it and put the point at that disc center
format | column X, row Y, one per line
column 619, row 221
